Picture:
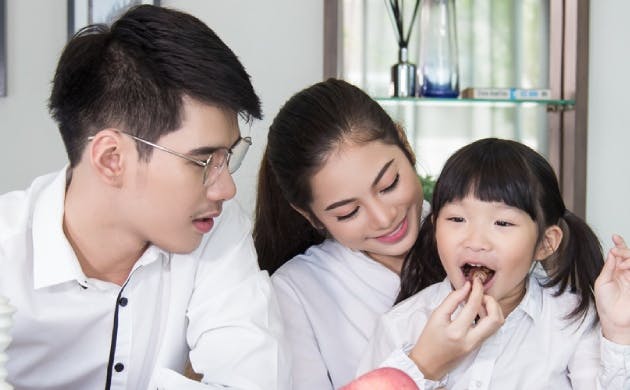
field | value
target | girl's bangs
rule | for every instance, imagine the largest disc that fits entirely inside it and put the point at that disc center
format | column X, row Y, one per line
column 494, row 176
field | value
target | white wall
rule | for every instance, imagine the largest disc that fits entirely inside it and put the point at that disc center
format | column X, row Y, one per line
column 280, row 43
column 608, row 167
column 31, row 145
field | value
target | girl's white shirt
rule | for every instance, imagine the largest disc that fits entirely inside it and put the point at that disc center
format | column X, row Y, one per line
column 536, row 348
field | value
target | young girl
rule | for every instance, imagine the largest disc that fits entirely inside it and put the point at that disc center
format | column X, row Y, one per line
column 500, row 228
column 339, row 208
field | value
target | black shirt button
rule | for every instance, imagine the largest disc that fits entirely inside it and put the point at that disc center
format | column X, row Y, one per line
column 119, row 367
column 123, row 301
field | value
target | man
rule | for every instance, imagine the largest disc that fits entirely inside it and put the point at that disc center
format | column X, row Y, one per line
column 132, row 260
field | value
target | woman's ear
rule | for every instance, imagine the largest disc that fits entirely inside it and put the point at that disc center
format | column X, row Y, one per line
column 106, row 156
column 552, row 237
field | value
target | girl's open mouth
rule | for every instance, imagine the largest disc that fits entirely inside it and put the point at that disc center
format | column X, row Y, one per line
column 472, row 271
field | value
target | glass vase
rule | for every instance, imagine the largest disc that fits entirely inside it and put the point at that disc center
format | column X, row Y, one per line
column 403, row 76
column 439, row 68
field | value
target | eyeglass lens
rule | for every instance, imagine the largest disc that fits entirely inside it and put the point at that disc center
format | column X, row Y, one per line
column 233, row 158
column 214, row 165
column 237, row 154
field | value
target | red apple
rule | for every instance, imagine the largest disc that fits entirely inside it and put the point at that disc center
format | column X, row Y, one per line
column 385, row 378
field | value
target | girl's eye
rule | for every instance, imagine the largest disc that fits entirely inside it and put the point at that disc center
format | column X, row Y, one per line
column 503, row 223
column 455, row 219
column 348, row 216
column 393, row 185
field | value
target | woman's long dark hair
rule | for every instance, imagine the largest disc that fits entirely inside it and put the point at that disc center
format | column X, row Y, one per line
column 311, row 125
column 507, row 171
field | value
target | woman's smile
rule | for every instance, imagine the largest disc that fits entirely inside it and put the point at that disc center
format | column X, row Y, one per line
column 398, row 234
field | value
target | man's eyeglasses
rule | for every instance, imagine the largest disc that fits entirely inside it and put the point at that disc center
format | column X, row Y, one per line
column 213, row 166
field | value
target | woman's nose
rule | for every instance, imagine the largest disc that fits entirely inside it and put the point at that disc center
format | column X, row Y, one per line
column 382, row 214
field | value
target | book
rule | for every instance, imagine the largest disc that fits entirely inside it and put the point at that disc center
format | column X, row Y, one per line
column 507, row 93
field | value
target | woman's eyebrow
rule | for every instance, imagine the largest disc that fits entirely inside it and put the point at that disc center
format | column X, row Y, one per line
column 382, row 172
column 374, row 183
column 339, row 204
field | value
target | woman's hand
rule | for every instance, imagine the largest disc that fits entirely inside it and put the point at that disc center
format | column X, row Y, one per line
column 612, row 293
column 444, row 342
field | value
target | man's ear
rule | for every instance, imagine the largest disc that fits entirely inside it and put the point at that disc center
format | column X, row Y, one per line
column 552, row 237
column 105, row 152
column 309, row 217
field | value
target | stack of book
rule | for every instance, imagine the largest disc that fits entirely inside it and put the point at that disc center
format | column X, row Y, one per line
column 507, row 93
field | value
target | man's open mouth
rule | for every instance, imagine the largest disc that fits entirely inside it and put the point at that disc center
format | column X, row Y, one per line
column 472, row 271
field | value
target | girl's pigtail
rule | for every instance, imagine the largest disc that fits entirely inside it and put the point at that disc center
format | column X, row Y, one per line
column 578, row 261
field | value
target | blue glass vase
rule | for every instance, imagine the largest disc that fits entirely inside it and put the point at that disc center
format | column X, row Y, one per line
column 439, row 68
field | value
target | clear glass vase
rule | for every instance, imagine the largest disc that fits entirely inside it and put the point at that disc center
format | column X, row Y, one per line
column 438, row 63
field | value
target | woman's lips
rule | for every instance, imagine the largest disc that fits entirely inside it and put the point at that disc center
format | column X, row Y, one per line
column 203, row 225
column 396, row 235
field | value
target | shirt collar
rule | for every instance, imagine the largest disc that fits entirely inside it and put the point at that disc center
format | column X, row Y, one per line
column 54, row 260
column 532, row 301
column 150, row 255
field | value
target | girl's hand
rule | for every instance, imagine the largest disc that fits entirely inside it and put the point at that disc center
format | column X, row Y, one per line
column 444, row 342
column 612, row 293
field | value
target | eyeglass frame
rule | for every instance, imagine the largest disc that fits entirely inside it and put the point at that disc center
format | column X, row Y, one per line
column 246, row 141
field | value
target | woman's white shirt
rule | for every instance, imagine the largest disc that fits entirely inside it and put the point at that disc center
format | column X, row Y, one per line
column 536, row 348
column 331, row 298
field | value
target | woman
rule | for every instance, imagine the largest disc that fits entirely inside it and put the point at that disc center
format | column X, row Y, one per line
column 339, row 209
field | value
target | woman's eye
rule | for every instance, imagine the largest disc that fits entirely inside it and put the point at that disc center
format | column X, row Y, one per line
column 393, row 185
column 348, row 216
column 455, row 219
column 503, row 223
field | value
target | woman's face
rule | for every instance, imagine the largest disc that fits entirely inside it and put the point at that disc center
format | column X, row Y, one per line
column 369, row 198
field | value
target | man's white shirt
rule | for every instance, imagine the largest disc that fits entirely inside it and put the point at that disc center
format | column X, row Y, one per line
column 213, row 303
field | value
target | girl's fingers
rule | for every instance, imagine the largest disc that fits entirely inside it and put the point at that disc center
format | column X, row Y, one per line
column 488, row 325
column 452, row 301
column 624, row 265
column 492, row 307
column 619, row 241
column 622, row 253
column 608, row 270
column 482, row 312
column 472, row 307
